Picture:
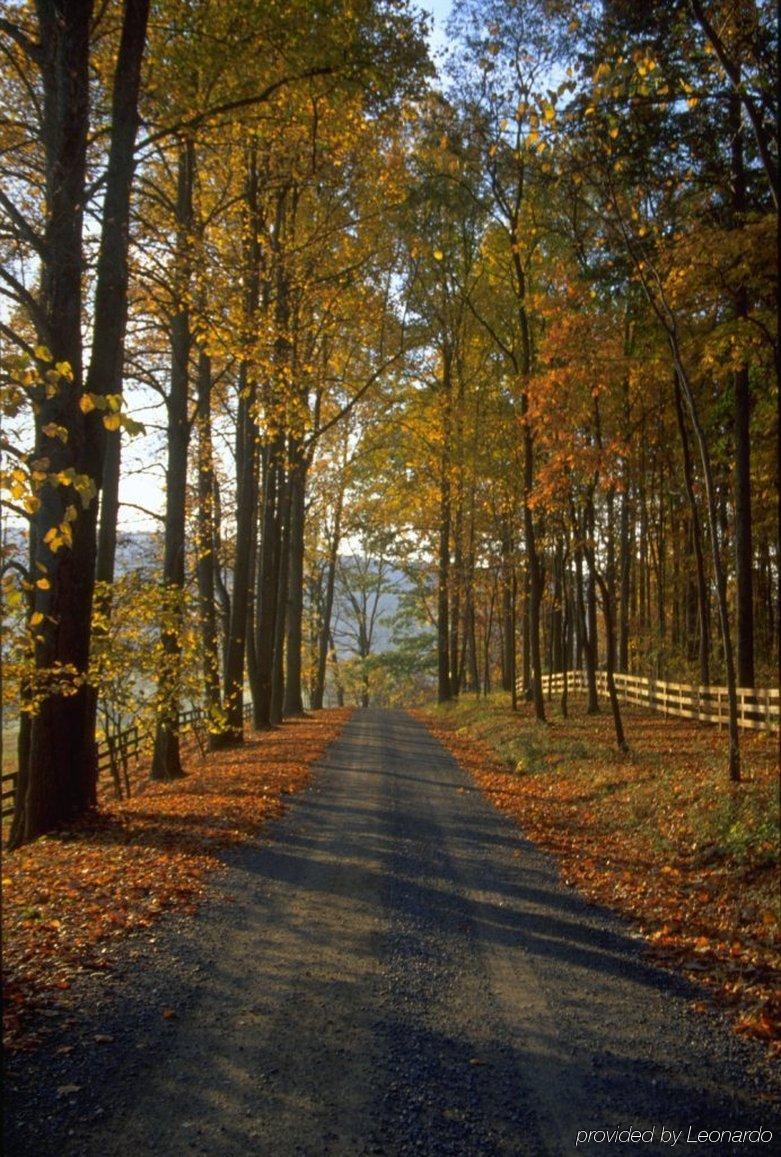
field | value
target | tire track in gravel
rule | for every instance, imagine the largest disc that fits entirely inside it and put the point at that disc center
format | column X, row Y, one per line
column 396, row 972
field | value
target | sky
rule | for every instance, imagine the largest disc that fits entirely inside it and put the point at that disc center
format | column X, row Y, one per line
column 439, row 11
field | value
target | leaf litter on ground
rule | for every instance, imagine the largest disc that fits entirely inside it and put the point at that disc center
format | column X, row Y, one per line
column 661, row 836
column 71, row 900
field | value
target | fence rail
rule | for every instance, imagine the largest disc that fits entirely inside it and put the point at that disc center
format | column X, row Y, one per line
column 116, row 751
column 758, row 709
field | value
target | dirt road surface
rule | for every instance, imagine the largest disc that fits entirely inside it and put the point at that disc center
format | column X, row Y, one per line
column 396, row 971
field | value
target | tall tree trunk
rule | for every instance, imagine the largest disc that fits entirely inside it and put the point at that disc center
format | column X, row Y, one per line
column 220, row 587
column 268, row 584
column 535, row 572
column 592, row 705
column 294, row 631
column 278, row 664
column 610, row 656
column 444, row 688
column 111, row 287
column 557, row 609
column 744, row 553
column 246, row 463
column 592, row 635
column 513, row 643
column 205, row 565
column 324, row 633
column 246, row 494
column 58, row 755
column 456, row 585
column 526, row 668
column 703, row 598
column 507, row 632
column 626, row 553
column 166, row 758
column 718, row 564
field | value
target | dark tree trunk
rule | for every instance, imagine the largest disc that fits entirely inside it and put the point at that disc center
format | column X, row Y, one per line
column 58, row 755
column 526, row 667
column 565, row 633
column 718, row 563
column 444, row 687
column 610, row 656
column 744, row 552
column 324, row 633
column 111, row 289
column 268, row 583
column 703, row 599
column 557, row 610
column 246, row 494
column 592, row 706
column 337, row 673
column 456, row 585
column 205, row 565
column 513, row 643
column 166, row 759
column 487, row 642
column 294, row 631
column 626, row 553
column 246, row 465
column 591, row 639
column 220, row 588
column 278, row 665
column 592, row 648
column 507, row 632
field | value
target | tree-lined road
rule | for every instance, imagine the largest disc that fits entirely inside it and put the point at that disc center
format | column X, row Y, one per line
column 398, row 971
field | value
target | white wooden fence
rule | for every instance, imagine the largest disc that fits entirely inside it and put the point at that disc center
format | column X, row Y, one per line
column 757, row 709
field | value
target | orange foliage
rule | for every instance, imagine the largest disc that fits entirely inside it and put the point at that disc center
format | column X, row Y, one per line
column 711, row 915
column 71, row 900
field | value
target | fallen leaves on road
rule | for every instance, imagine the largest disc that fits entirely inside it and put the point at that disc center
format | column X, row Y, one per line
column 71, row 900
column 662, row 836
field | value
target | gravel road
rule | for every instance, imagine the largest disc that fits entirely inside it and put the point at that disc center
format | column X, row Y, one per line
column 396, row 971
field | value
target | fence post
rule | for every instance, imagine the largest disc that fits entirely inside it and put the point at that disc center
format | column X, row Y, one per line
column 114, row 765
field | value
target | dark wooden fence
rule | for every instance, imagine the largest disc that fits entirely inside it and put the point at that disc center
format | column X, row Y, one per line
column 116, row 753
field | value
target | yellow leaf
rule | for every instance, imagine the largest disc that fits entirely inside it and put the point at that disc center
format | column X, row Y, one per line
column 438, row 255
column 114, row 421
column 86, row 403
column 35, row 618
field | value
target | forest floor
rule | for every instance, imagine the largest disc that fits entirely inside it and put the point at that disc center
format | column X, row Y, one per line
column 394, row 969
column 661, row 836
column 75, row 903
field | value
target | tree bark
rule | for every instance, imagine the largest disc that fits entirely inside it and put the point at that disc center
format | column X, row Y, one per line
column 58, row 755
column 278, row 665
column 324, row 633
column 744, row 551
column 268, row 583
column 703, row 598
column 294, row 631
column 444, row 687
column 205, row 565
column 166, row 759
